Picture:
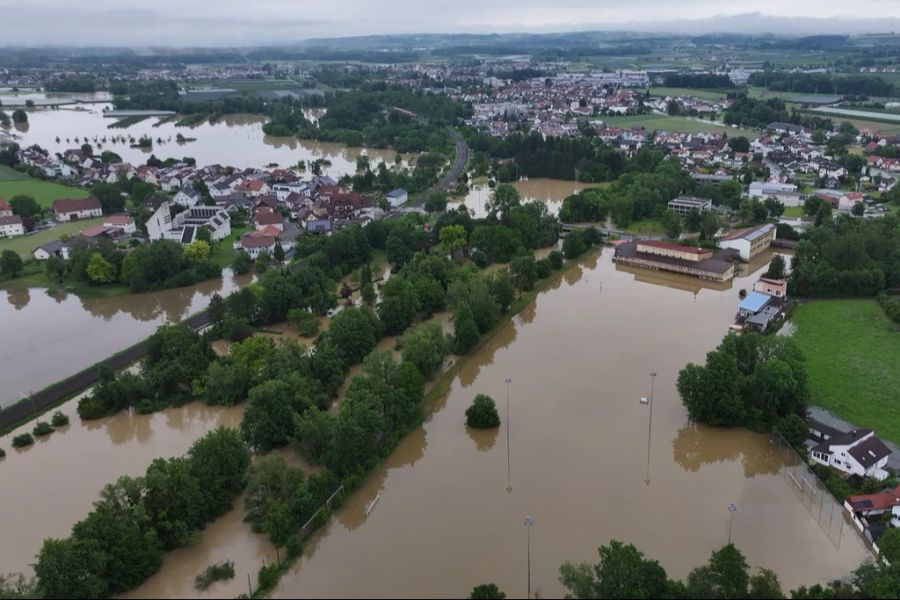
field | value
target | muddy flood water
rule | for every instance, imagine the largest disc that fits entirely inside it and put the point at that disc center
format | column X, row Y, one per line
column 580, row 358
column 45, row 338
column 48, row 487
column 234, row 140
column 552, row 192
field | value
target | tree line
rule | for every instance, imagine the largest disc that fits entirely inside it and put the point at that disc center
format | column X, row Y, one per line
column 823, row 83
column 847, row 257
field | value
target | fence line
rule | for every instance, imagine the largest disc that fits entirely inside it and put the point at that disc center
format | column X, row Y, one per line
column 810, row 490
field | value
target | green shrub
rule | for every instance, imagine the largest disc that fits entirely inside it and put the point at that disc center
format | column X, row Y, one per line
column 213, row 573
column 480, row 258
column 22, row 440
column 59, row 419
column 306, row 323
column 555, row 259
column 267, row 576
column 2, row 453
column 483, row 413
column 42, row 428
column 543, row 268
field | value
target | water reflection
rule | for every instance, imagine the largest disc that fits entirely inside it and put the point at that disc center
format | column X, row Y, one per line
column 695, row 446
column 55, row 326
column 19, row 298
column 484, row 438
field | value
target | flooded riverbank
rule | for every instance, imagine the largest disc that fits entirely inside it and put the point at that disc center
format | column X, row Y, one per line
column 579, row 358
column 235, row 140
column 57, row 335
column 51, row 485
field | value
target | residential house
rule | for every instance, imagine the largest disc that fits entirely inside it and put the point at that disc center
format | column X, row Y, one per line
column 857, row 452
column 11, row 226
column 73, row 209
column 266, row 217
column 187, row 197
column 5, row 208
column 124, row 223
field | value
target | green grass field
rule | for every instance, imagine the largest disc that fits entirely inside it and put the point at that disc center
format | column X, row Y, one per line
column 45, row 192
column 670, row 124
column 852, row 351
column 793, row 211
column 24, row 244
column 223, row 251
column 10, row 174
column 696, row 93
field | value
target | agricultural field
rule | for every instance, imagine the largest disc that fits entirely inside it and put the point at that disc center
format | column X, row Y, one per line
column 852, row 351
column 686, row 124
column 712, row 95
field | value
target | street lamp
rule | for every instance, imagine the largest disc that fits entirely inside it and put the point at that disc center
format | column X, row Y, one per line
column 529, row 522
column 508, row 479
column 650, row 425
column 732, row 508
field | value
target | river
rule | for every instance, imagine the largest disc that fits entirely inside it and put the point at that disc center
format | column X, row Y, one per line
column 579, row 357
column 234, row 140
column 552, row 192
column 47, row 337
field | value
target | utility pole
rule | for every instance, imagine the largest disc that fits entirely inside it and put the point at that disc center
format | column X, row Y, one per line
column 529, row 522
column 508, row 478
column 650, row 426
column 732, row 508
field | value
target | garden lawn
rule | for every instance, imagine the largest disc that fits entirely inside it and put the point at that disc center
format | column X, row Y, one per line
column 25, row 244
column 793, row 211
column 852, row 355
column 45, row 192
column 223, row 251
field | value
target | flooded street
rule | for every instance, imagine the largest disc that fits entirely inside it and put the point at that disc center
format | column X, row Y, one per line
column 234, row 140
column 551, row 192
column 579, row 358
column 69, row 333
column 51, row 485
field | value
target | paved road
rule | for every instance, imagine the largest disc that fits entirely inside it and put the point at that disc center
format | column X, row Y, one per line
column 447, row 181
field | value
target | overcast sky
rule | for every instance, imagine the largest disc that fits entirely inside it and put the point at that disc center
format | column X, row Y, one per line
column 254, row 22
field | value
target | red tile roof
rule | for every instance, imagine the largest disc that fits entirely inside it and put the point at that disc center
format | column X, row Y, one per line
column 95, row 231
column 67, row 205
column 252, row 241
column 4, row 205
column 119, row 220
column 13, row 220
column 268, row 218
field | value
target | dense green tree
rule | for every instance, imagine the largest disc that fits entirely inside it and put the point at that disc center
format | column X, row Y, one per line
column 425, row 347
column 465, row 329
column 523, row 270
column 174, row 502
column 354, row 333
column 672, row 223
column 482, row 414
column 487, row 591
column 10, row 263
column 100, row 270
column 110, row 196
column 502, row 290
column 622, row 572
column 573, row 245
column 725, row 576
column 776, row 268
column 399, row 305
column 269, row 417
column 175, row 356
column 71, row 568
column 25, row 206
column 219, row 462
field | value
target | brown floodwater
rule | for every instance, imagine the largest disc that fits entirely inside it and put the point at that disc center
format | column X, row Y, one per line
column 46, row 337
column 48, row 487
column 579, row 357
column 235, row 140
column 552, row 192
